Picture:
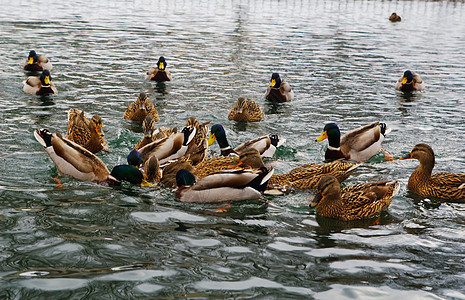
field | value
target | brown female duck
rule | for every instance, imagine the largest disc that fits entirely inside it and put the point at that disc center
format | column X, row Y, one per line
column 443, row 185
column 395, row 17
column 139, row 109
column 356, row 202
column 246, row 110
column 88, row 134
column 197, row 150
column 307, row 176
column 248, row 159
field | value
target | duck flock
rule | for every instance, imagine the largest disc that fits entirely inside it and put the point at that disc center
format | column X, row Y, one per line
column 179, row 158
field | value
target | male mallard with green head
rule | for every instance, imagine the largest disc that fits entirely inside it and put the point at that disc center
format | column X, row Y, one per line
column 160, row 73
column 223, row 186
column 279, row 90
column 41, row 85
column 410, row 82
column 358, row 145
column 37, row 63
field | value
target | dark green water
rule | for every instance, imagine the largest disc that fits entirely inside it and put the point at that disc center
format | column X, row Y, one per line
column 342, row 59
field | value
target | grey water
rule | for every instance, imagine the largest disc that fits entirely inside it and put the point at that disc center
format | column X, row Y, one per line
column 342, row 58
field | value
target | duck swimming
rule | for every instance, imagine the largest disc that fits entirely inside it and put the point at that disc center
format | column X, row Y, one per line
column 356, row 202
column 41, row 85
column 160, row 73
column 231, row 185
column 266, row 145
column 72, row 159
column 410, row 82
column 139, row 109
column 442, row 185
column 37, row 63
column 358, row 145
column 279, row 90
column 246, row 110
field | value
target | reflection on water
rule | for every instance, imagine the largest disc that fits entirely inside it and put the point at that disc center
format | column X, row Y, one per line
column 342, row 59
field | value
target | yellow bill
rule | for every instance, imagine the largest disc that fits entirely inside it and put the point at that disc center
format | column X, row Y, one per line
column 323, row 136
column 211, row 139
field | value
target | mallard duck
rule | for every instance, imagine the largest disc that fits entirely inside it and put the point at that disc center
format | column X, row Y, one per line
column 132, row 172
column 139, row 109
column 360, row 201
column 170, row 170
column 197, row 150
column 307, row 176
column 151, row 134
column 169, row 148
column 395, row 17
column 231, row 185
column 72, row 159
column 410, row 82
column 249, row 159
column 41, row 85
column 266, row 145
column 159, row 73
column 358, row 145
column 37, row 63
column 246, row 110
column 279, row 90
column 443, row 185
column 88, row 134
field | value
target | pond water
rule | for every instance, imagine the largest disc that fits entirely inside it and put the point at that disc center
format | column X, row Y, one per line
column 342, row 59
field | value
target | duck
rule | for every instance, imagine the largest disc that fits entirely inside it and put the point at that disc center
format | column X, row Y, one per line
column 358, row 145
column 170, row 170
column 279, row 90
column 356, row 202
column 249, row 159
column 410, row 82
column 197, row 150
column 395, row 17
column 151, row 134
column 41, row 85
column 74, row 160
column 160, row 73
column 37, row 63
column 85, row 132
column 307, row 176
column 169, row 148
column 150, row 173
column 246, row 110
column 223, row 186
column 266, row 145
column 139, row 109
column 443, row 185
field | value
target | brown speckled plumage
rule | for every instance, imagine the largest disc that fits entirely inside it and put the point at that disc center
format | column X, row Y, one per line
column 249, row 159
column 85, row 132
column 307, row 176
column 443, row 185
column 356, row 202
column 246, row 110
column 169, row 171
column 197, row 151
column 139, row 109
